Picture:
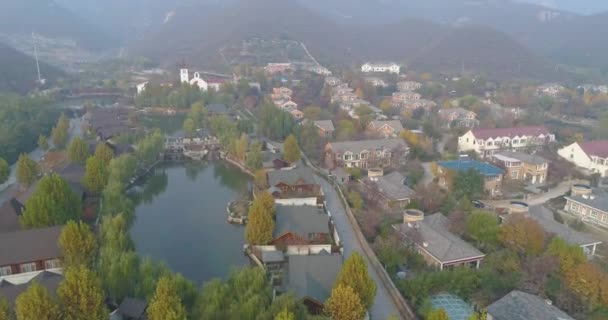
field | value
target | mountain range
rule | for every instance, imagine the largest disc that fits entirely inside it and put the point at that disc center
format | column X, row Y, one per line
column 18, row 71
column 501, row 38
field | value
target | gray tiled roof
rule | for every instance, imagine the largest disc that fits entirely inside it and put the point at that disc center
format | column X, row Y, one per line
column 132, row 308
column 313, row 276
column 326, row 125
column 391, row 185
column 292, row 176
column 10, row 211
column 441, row 243
column 518, row 305
column 524, row 157
column 47, row 279
column 358, row 146
column 544, row 217
column 302, row 220
column 598, row 199
column 29, row 245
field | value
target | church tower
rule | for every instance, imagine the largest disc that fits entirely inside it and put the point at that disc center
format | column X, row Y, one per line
column 184, row 77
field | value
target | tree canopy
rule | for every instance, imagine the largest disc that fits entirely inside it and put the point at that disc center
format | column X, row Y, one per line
column 96, row 175
column 103, row 152
column 27, row 170
column 291, row 149
column 81, row 295
column 523, row 235
column 36, row 303
column 78, row 151
column 438, row 314
column 468, row 184
column 166, row 303
column 52, row 203
column 344, row 304
column 483, row 227
column 43, row 142
column 5, row 171
column 260, row 224
column 78, row 244
column 354, row 274
column 60, row 132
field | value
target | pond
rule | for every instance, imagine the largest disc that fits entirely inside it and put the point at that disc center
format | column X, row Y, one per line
column 180, row 218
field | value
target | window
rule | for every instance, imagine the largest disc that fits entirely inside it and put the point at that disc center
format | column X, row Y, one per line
column 574, row 206
column 52, row 264
column 6, row 271
column 514, row 174
column 28, row 267
column 515, row 141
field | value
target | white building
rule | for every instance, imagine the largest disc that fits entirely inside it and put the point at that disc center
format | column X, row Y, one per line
column 381, row 67
column 408, row 85
column 184, row 77
column 550, row 89
column 141, row 87
column 486, row 142
column 591, row 156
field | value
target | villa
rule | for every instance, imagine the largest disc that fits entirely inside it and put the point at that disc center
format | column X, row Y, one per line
column 492, row 174
column 486, row 142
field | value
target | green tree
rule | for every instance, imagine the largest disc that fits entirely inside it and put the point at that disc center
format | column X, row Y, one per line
column 569, row 256
column 104, row 152
column 479, row 315
column 261, row 179
column 344, row 304
column 483, row 227
column 119, row 271
column 354, row 274
column 81, row 295
column 52, row 203
column 148, row 149
column 260, row 224
column 5, row 171
column 78, row 244
column 36, row 303
column 27, row 170
column 438, row 314
column 166, row 303
column 189, row 127
column 523, row 235
column 241, row 147
column 468, row 184
column 78, row 151
column 5, row 309
column 60, row 133
column 254, row 156
column 291, row 150
column 43, row 142
column 115, row 201
column 355, row 200
column 285, row 315
column 96, row 175
column 122, row 168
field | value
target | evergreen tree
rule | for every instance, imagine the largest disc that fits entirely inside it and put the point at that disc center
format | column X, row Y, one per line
column 260, row 224
column 36, row 303
column 81, row 295
column 254, row 156
column 483, row 227
column 27, row 170
column 52, row 203
column 166, row 303
column 354, row 274
column 78, row 151
column 5, row 171
column 78, row 244
column 291, row 150
column 344, row 304
column 285, row 315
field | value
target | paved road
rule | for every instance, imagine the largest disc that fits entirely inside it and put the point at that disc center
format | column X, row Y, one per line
column 383, row 306
column 539, row 199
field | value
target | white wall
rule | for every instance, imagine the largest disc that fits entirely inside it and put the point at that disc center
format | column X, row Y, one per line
column 580, row 159
column 297, row 201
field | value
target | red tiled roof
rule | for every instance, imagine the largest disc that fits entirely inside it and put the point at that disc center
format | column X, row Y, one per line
column 510, row 132
column 597, row 148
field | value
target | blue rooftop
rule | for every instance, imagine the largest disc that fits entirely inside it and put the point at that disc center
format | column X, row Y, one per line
column 486, row 169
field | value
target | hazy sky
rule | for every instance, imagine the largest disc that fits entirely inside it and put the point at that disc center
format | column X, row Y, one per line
column 578, row 6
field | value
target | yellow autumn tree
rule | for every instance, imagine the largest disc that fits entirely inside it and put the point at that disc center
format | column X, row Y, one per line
column 344, row 304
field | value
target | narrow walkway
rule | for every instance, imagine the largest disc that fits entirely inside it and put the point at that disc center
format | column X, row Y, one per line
column 383, row 306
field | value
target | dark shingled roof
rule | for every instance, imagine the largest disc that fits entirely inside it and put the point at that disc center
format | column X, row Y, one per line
column 313, row 276
column 518, row 305
column 391, row 186
column 132, row 307
column 47, row 279
column 545, row 218
column 292, row 176
column 302, row 220
column 9, row 215
column 29, row 245
column 597, row 200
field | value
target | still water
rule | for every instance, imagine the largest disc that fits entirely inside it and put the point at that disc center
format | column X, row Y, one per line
column 181, row 219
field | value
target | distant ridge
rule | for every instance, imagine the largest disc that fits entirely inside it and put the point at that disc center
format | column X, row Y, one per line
column 18, row 71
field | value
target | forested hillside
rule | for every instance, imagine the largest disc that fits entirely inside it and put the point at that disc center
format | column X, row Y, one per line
column 18, row 71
